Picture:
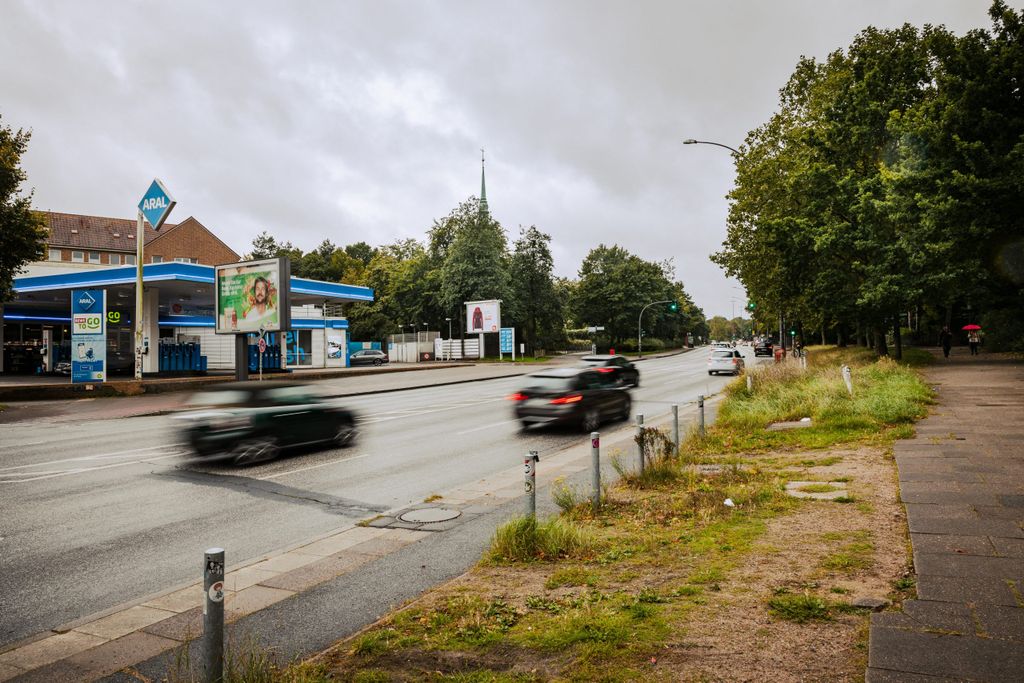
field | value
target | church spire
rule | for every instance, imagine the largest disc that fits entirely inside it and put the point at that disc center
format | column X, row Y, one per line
column 483, row 185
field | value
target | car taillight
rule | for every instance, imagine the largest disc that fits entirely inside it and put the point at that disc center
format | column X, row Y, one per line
column 518, row 397
column 562, row 400
column 606, row 369
column 735, row 361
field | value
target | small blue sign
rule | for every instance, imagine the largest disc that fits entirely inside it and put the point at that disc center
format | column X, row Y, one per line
column 505, row 337
column 156, row 204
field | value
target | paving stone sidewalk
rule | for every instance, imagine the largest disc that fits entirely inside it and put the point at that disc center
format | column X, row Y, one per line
column 962, row 481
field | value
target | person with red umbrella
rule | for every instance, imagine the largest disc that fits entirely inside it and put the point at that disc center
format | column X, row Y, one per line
column 973, row 338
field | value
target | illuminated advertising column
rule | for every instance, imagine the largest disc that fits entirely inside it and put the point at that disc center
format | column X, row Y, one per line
column 88, row 335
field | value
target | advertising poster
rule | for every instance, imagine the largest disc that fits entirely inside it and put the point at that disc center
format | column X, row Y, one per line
column 506, row 340
column 252, row 295
column 483, row 316
column 336, row 348
column 88, row 335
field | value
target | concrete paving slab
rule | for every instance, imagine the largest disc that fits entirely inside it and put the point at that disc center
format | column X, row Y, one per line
column 240, row 579
column 1005, row 623
column 886, row 676
column 963, row 590
column 252, row 599
column 954, row 544
column 180, row 600
column 966, row 527
column 1008, row 547
column 7, row 672
column 124, row 622
column 945, row 655
column 927, row 615
column 341, row 541
column 322, row 570
column 181, row 627
column 1001, row 512
column 57, row 672
column 49, row 650
column 968, row 566
column 117, row 654
column 286, row 562
column 941, row 497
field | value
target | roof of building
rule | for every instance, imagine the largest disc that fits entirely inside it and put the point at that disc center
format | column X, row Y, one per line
column 94, row 232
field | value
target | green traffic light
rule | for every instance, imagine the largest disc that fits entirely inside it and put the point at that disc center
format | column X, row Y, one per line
column 674, row 306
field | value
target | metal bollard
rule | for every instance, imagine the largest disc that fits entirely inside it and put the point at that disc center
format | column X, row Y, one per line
column 213, row 616
column 530, row 482
column 700, row 415
column 675, row 427
column 750, row 383
column 848, row 378
column 639, row 441
column 595, row 459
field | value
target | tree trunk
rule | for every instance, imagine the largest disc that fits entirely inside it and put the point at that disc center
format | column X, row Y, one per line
column 897, row 338
column 841, row 335
column 859, row 332
column 878, row 332
column 824, row 339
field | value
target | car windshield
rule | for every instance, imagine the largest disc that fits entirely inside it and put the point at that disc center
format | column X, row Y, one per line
column 722, row 354
column 221, row 398
column 595, row 361
column 547, row 383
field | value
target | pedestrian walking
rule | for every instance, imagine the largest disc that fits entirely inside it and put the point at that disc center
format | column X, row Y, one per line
column 973, row 339
column 946, row 340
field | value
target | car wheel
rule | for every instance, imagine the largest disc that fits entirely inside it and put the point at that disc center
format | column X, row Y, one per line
column 346, row 434
column 627, row 407
column 252, row 451
column 378, row 361
column 591, row 420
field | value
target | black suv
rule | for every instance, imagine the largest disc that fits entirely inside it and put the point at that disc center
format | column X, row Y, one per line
column 579, row 396
column 618, row 367
column 253, row 421
column 764, row 348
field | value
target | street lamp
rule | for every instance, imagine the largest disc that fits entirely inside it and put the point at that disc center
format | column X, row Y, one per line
column 691, row 141
column 639, row 328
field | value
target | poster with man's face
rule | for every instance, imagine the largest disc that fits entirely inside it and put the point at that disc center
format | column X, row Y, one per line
column 252, row 295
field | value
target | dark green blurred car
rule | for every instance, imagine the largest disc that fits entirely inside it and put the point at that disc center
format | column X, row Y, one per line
column 254, row 421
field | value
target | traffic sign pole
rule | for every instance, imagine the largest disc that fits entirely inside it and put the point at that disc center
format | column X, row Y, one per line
column 139, row 232
column 154, row 207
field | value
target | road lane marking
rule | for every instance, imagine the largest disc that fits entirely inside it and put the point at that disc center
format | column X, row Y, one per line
column 490, row 426
column 82, row 470
column 97, row 456
column 313, row 467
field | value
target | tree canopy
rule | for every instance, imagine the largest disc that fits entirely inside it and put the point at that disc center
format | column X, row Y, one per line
column 22, row 234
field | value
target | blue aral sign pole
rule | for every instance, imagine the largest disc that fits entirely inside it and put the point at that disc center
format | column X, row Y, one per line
column 507, row 341
column 154, row 208
column 88, row 335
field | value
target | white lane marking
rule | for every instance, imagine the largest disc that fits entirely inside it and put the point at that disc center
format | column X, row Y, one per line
column 313, row 467
column 98, row 456
column 490, row 426
column 374, row 420
column 82, row 470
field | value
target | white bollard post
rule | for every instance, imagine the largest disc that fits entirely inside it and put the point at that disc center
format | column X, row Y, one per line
column 848, row 378
column 675, row 428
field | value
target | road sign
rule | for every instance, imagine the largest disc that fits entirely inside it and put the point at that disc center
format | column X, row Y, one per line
column 592, row 330
column 156, row 204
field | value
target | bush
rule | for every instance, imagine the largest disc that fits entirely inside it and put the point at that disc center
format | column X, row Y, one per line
column 524, row 539
column 1003, row 330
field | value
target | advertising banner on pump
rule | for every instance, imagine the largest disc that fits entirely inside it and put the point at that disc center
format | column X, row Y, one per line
column 483, row 316
column 88, row 335
column 252, row 295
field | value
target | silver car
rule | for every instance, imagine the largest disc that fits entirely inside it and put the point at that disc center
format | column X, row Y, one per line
column 725, row 360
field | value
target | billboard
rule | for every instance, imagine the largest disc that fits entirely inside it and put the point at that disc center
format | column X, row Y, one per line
column 88, row 335
column 483, row 316
column 251, row 295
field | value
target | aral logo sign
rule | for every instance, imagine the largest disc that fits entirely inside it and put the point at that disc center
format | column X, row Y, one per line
column 156, row 204
column 86, row 301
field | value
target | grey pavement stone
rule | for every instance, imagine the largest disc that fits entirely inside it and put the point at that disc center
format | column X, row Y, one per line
column 942, row 497
column 967, row 527
column 1013, row 501
column 945, row 655
column 1008, row 547
column 933, row 510
column 870, row 602
column 310, row 575
column 998, row 621
column 953, row 544
column 62, row 671
column 1001, row 512
column 942, row 564
column 963, row 590
column 179, row 627
column 886, row 676
column 924, row 615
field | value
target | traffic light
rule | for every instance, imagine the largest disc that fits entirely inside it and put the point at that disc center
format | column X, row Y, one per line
column 792, row 333
column 673, row 306
column 751, row 305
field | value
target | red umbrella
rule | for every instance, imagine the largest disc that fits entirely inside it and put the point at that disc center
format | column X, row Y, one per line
column 971, row 327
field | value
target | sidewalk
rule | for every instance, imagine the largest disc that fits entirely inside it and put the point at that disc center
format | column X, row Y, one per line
column 962, row 480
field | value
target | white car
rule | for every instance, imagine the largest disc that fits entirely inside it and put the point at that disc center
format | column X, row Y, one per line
column 725, row 360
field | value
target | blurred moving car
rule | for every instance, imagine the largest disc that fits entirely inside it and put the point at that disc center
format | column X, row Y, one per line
column 254, row 421
column 763, row 348
column 368, row 357
column 579, row 396
column 617, row 366
column 725, row 360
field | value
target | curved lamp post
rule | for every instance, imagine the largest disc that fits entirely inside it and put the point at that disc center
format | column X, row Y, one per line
column 639, row 328
column 691, row 141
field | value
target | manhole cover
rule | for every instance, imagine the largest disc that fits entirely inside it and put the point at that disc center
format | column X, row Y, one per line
column 429, row 515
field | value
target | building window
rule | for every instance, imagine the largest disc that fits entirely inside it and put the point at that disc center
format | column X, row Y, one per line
column 78, row 256
column 94, row 257
column 129, row 259
column 56, row 255
column 185, row 259
column 115, row 259
column 157, row 259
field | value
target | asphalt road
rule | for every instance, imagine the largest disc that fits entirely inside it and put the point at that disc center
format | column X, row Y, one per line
column 98, row 513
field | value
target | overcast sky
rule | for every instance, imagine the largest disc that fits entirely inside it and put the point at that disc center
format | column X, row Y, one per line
column 364, row 120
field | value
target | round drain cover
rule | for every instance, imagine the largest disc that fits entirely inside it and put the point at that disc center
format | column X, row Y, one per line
column 429, row 515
